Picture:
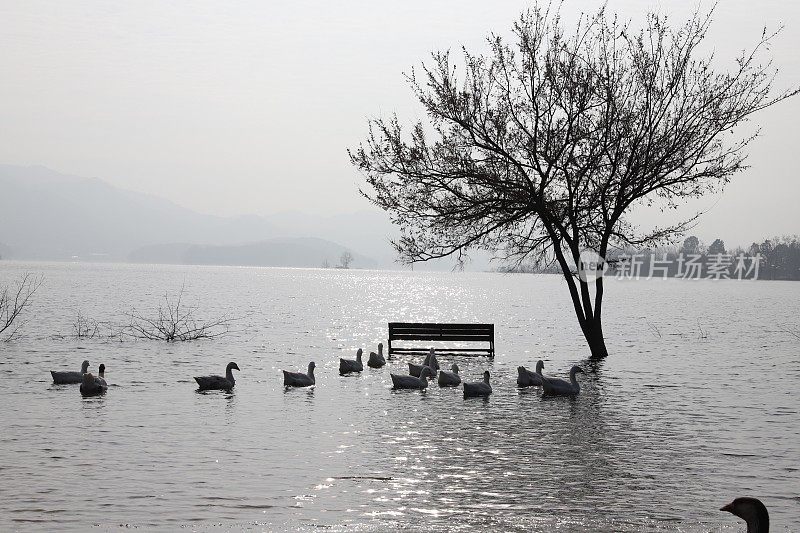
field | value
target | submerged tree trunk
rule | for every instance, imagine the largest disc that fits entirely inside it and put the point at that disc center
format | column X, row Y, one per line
column 593, row 332
column 587, row 312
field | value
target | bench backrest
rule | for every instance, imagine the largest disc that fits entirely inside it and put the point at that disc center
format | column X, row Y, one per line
column 420, row 331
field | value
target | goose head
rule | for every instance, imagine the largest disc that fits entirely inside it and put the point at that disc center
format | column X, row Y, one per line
column 380, row 348
column 486, row 376
column 752, row 511
column 426, row 371
column 231, row 366
column 575, row 370
column 311, row 367
column 455, row 368
column 84, row 367
column 539, row 366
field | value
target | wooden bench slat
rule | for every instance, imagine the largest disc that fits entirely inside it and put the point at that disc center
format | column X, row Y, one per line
column 442, row 330
column 425, row 337
column 431, row 331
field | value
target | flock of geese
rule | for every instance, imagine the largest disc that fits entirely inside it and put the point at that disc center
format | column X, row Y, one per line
column 417, row 378
column 419, row 375
column 751, row 510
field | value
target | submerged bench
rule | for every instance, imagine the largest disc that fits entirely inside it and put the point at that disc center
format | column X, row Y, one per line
column 420, row 331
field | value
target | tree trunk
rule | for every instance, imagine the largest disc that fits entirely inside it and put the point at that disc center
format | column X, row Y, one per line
column 593, row 332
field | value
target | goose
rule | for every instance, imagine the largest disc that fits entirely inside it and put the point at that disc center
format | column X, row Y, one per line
column 92, row 386
column 298, row 379
column 218, row 382
column 430, row 361
column 348, row 365
column 480, row 388
column 752, row 511
column 411, row 382
column 69, row 377
column 560, row 387
column 101, row 374
column 526, row 378
column 449, row 379
column 376, row 360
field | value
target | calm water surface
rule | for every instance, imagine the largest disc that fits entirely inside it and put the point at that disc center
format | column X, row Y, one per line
column 697, row 404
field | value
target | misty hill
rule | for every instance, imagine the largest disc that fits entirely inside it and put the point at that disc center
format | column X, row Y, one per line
column 53, row 216
column 285, row 252
column 47, row 215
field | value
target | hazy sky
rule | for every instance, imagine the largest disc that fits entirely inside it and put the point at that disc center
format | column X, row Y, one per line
column 249, row 107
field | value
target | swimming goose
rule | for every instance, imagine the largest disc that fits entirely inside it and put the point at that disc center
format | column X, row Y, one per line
column 559, row 387
column 348, row 365
column 480, row 388
column 298, row 379
column 218, row 382
column 411, row 382
column 69, row 377
column 92, row 386
column 101, row 374
column 752, row 511
column 376, row 360
column 526, row 378
column 449, row 379
column 430, row 361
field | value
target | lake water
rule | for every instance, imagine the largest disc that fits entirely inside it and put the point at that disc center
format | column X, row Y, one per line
column 696, row 405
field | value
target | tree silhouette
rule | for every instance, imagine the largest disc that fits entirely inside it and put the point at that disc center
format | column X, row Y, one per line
column 346, row 259
column 541, row 148
column 691, row 245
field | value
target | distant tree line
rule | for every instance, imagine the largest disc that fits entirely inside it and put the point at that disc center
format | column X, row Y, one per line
column 778, row 258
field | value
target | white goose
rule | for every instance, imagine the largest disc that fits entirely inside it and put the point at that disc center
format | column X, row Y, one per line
column 69, row 377
column 480, row 388
column 349, row 365
column 559, row 387
column 449, row 379
column 376, row 360
column 411, row 382
column 298, row 379
column 526, row 378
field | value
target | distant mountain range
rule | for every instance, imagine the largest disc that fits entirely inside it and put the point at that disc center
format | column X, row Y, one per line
column 47, row 215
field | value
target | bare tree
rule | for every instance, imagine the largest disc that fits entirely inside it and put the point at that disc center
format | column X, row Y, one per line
column 346, row 259
column 540, row 149
column 175, row 321
column 13, row 301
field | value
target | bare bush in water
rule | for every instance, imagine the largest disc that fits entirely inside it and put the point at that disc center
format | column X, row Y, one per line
column 175, row 321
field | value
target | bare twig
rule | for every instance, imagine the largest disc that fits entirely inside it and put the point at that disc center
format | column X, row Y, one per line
column 790, row 331
column 13, row 302
column 703, row 332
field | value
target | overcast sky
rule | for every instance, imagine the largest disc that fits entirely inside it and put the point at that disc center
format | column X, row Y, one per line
column 249, row 107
